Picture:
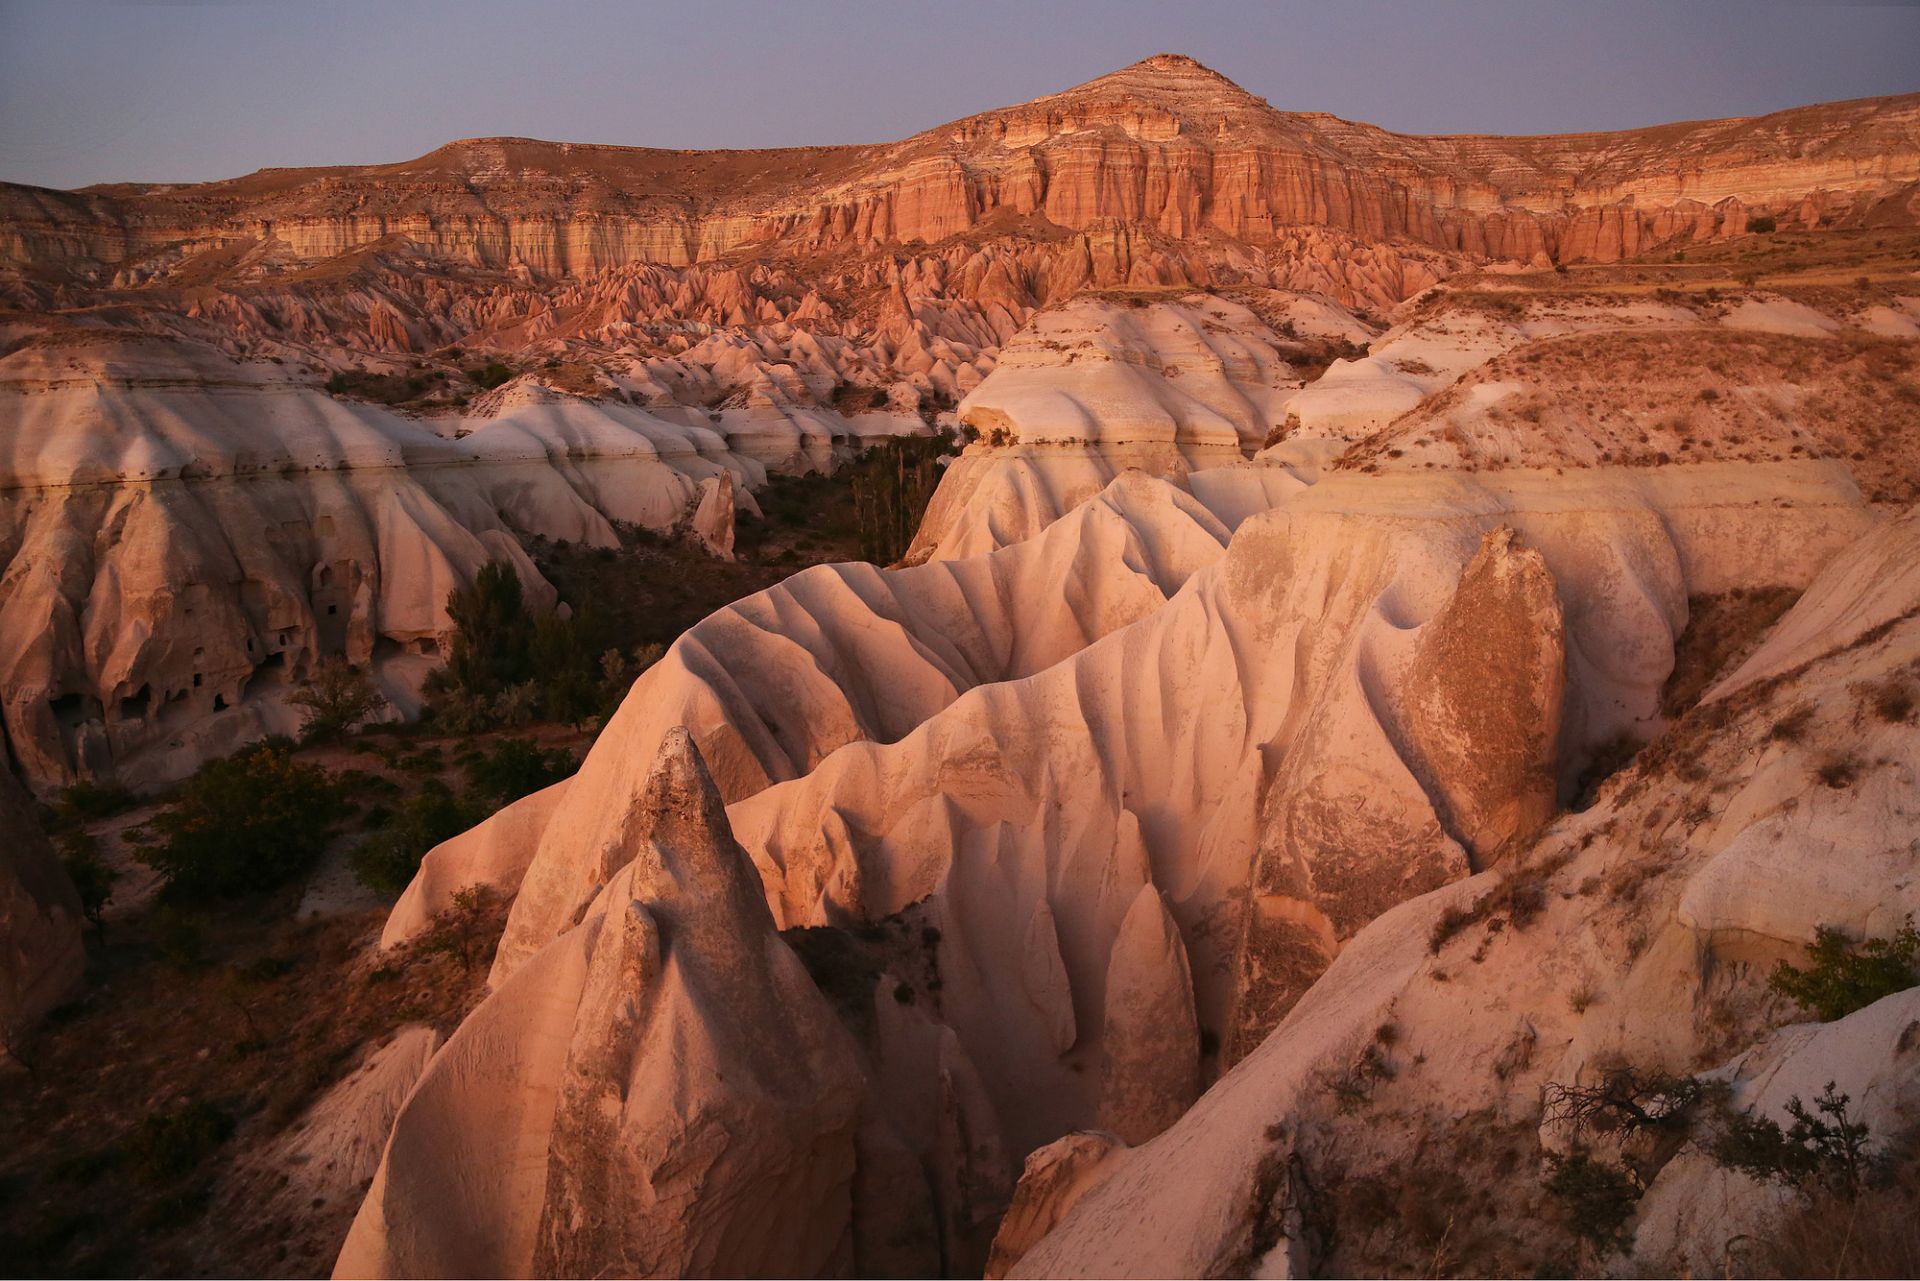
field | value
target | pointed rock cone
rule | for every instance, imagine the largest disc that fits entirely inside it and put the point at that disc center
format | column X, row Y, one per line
column 713, row 515
column 661, row 1091
column 1151, row 1072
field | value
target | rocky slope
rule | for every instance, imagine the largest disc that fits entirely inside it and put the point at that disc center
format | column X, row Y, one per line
column 1636, row 934
column 1092, row 864
column 42, row 956
column 1200, row 856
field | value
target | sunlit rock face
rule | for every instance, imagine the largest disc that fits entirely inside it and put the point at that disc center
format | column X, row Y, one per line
column 1166, row 148
column 668, row 320
column 1086, row 807
column 1189, row 809
column 660, row 1092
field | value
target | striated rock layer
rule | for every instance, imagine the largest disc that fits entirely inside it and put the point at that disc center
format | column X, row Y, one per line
column 1165, row 145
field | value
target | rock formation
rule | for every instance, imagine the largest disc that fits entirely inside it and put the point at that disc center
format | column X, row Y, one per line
column 1165, row 146
column 1619, row 939
column 662, row 319
column 1203, row 845
column 679, row 1099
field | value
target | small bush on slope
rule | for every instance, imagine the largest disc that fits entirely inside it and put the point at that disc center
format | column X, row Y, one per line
column 249, row 822
column 1840, row 977
column 387, row 860
column 1596, row 1198
column 517, row 768
column 1823, row 1145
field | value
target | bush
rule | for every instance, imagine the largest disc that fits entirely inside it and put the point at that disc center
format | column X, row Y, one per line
column 87, row 801
column 250, row 822
column 338, row 698
column 490, row 375
column 173, row 1143
column 92, row 878
column 1596, row 1198
column 1840, row 978
column 518, row 768
column 387, row 860
column 1762, row 223
column 1626, row 1101
column 1823, row 1145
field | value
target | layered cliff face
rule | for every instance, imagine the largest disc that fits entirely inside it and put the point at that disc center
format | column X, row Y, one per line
column 187, row 536
column 1164, row 145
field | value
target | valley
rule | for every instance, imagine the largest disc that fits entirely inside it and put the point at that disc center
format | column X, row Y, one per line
column 1133, row 685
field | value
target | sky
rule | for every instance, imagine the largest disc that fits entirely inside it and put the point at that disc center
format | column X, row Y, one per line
column 188, row 90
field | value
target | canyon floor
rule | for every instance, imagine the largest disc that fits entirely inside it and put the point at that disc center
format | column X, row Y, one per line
column 1135, row 686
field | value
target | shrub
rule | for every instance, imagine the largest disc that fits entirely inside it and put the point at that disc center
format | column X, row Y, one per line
column 490, row 375
column 464, row 932
column 387, row 860
column 1838, row 770
column 92, row 878
column 1762, row 223
column 170, row 1144
column 1823, row 1145
column 1625, row 1101
column 1793, row 726
column 517, row 768
column 87, row 801
column 338, row 698
column 250, row 822
column 1596, row 1198
column 1892, row 701
column 1840, row 977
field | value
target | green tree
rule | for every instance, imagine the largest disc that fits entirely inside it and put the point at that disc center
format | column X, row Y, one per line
column 338, row 698
column 564, row 653
column 517, row 768
column 249, row 822
column 892, row 485
column 493, row 632
column 1841, row 976
column 387, row 860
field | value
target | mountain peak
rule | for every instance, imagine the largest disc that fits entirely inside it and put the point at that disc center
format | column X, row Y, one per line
column 1171, row 82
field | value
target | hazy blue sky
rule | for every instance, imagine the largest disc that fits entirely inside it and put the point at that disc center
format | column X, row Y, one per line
column 152, row 90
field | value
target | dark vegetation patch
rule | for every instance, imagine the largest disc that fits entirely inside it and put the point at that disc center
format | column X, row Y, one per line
column 203, row 1031
column 1841, row 975
column 897, row 957
column 1518, row 896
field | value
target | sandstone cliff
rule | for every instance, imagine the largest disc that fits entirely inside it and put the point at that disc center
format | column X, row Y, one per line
column 1165, row 145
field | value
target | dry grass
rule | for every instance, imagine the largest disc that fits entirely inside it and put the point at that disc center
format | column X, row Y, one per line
column 1722, row 629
